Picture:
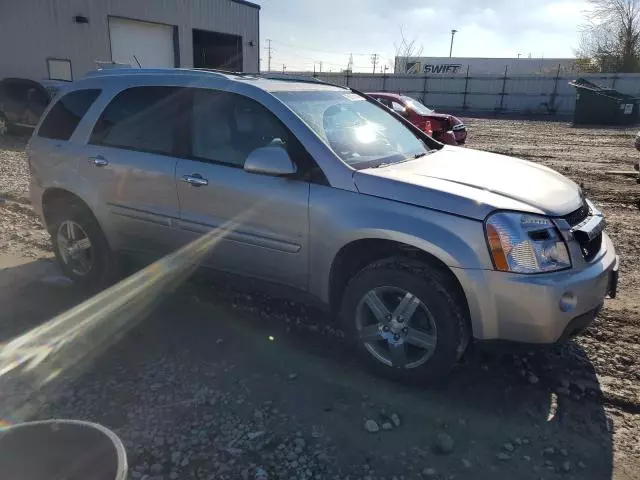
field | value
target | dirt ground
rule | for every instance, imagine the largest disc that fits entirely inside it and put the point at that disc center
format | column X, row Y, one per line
column 222, row 382
column 584, row 155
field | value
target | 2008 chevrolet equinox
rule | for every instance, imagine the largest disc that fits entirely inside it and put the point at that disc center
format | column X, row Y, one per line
column 418, row 246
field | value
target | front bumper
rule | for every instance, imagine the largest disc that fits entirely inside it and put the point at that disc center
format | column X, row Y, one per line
column 539, row 308
column 461, row 136
column 448, row 138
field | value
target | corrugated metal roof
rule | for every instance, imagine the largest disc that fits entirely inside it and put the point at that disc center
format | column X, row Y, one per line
column 248, row 4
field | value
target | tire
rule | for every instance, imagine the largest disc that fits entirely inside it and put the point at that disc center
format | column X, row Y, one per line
column 102, row 268
column 437, row 321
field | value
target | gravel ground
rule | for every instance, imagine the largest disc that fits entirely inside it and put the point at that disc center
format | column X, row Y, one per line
column 225, row 382
column 21, row 232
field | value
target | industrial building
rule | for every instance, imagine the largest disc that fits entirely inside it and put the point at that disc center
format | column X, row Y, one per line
column 483, row 66
column 63, row 39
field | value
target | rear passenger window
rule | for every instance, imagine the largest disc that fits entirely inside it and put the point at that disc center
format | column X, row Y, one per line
column 66, row 114
column 143, row 119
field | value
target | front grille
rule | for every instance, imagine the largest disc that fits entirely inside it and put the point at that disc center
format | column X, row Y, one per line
column 591, row 249
column 578, row 216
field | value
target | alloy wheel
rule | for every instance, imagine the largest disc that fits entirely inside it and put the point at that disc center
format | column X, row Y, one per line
column 396, row 327
column 75, row 247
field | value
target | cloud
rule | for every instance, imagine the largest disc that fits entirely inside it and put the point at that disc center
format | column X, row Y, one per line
column 487, row 28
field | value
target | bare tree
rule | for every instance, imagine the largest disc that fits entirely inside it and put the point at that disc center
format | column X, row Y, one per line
column 407, row 47
column 611, row 37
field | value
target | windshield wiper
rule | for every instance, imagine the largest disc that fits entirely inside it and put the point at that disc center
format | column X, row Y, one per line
column 380, row 165
column 408, row 159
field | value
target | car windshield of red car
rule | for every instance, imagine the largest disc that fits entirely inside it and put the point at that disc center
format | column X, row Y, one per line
column 416, row 106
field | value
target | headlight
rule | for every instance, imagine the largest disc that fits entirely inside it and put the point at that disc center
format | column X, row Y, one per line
column 525, row 243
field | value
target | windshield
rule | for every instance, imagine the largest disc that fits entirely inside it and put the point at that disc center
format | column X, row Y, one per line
column 361, row 133
column 416, row 106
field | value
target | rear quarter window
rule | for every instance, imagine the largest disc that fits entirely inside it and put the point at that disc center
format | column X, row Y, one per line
column 65, row 115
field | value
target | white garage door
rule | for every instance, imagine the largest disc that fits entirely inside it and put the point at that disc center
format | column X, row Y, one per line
column 150, row 43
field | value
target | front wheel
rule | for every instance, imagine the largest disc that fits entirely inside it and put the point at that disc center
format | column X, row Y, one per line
column 405, row 320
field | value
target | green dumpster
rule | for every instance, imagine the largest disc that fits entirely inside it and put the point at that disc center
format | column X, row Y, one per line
column 596, row 105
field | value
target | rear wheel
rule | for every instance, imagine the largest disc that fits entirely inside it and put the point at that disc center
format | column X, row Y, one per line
column 405, row 320
column 80, row 246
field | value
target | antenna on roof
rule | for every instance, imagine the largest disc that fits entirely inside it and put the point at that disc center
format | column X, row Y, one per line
column 136, row 59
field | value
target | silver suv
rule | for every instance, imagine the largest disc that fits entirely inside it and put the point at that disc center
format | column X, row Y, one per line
column 418, row 246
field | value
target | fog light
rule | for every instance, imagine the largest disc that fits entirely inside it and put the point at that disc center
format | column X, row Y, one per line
column 568, row 302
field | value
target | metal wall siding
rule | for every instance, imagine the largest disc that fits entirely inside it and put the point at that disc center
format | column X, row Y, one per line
column 528, row 94
column 33, row 30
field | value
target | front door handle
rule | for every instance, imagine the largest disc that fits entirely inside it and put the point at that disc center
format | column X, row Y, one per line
column 196, row 180
column 99, row 161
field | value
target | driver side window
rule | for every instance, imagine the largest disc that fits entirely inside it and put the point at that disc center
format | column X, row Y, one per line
column 227, row 127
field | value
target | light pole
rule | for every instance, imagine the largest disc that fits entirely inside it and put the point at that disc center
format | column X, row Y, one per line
column 453, row 34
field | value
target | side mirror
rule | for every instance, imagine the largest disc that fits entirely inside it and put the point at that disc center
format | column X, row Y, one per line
column 274, row 161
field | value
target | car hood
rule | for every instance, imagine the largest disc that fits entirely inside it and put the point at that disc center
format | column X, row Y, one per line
column 472, row 183
column 443, row 117
column 439, row 116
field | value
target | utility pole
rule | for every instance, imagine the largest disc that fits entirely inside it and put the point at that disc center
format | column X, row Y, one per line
column 519, row 56
column 284, row 68
column 374, row 60
column 320, row 67
column 268, row 47
column 453, row 34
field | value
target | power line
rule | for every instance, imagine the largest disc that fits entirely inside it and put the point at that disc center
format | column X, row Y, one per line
column 311, row 60
column 318, row 50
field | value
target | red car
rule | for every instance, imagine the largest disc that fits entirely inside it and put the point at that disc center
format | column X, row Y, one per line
column 446, row 128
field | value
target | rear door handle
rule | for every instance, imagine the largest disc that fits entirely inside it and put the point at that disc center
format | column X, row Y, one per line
column 196, row 180
column 99, row 161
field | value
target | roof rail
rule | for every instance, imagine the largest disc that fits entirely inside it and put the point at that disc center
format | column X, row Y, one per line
column 223, row 74
column 107, row 72
column 297, row 78
column 226, row 72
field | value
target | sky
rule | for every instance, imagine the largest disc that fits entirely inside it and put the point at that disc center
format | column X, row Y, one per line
column 307, row 32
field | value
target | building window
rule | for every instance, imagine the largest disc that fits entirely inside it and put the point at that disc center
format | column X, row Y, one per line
column 59, row 69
